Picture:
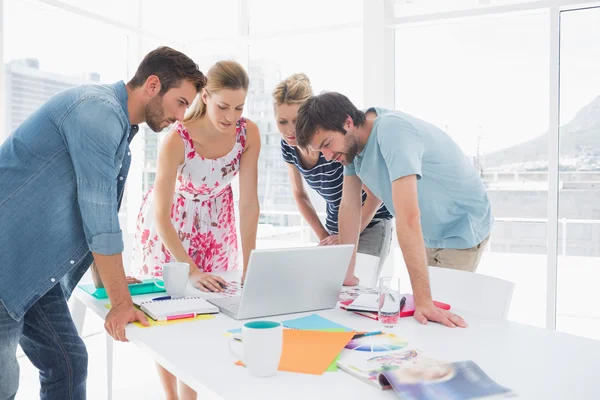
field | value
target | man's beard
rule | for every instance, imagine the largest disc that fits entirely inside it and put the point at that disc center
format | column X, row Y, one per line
column 155, row 114
column 351, row 150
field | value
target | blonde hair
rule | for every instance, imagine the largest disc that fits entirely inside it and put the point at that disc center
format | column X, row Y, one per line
column 223, row 75
column 295, row 89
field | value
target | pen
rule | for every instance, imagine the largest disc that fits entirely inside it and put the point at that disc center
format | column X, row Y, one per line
column 359, row 335
column 402, row 301
column 161, row 298
column 182, row 316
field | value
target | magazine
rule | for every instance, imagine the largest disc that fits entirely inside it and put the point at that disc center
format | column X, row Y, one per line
column 385, row 362
column 443, row 381
column 368, row 366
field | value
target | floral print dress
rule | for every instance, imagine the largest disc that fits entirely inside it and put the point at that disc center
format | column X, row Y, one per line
column 202, row 212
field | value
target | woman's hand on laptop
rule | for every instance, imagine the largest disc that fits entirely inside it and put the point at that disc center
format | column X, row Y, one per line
column 207, row 282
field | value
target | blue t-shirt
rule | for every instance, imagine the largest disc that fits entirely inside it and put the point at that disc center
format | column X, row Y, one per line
column 326, row 178
column 455, row 209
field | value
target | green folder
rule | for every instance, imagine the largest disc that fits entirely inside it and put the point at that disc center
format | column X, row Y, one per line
column 147, row 286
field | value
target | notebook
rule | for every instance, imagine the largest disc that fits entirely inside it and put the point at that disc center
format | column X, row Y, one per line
column 366, row 305
column 182, row 307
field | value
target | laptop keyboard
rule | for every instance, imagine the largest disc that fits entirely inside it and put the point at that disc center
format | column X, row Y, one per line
column 231, row 304
column 234, row 301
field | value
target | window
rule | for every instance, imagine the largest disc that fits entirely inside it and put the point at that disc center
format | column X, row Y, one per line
column 489, row 92
column 276, row 15
column 186, row 21
column 37, row 66
column 579, row 177
column 272, row 60
column 404, row 8
column 124, row 11
column 149, row 178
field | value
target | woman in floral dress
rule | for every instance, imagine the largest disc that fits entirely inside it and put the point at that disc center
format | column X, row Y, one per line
column 189, row 215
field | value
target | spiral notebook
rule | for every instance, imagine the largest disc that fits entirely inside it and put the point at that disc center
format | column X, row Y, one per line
column 181, row 307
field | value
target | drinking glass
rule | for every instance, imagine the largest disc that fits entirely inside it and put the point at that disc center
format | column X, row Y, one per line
column 389, row 301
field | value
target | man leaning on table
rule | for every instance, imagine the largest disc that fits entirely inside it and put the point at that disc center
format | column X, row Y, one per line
column 62, row 174
column 443, row 214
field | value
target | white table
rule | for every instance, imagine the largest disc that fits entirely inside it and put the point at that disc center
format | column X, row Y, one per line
column 535, row 363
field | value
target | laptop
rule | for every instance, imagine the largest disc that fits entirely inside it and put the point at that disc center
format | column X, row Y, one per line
column 285, row 281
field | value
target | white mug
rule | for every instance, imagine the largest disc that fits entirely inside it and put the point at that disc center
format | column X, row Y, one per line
column 175, row 278
column 263, row 344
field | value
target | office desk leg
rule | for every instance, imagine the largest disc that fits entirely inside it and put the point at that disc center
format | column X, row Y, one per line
column 78, row 313
column 109, row 366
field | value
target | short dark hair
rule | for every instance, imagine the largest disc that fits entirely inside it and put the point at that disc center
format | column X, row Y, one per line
column 329, row 111
column 171, row 67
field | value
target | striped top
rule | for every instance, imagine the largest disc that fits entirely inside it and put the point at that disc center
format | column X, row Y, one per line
column 326, row 178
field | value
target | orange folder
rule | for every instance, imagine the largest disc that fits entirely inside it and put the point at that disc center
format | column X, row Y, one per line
column 311, row 352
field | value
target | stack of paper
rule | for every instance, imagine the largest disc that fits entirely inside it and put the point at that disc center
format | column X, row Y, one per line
column 366, row 305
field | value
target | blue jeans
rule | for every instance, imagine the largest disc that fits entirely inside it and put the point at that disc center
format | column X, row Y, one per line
column 49, row 338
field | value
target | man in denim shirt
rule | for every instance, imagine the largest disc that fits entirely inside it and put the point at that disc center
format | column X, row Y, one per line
column 62, row 174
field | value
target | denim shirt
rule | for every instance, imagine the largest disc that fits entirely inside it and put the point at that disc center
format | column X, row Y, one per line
column 62, row 175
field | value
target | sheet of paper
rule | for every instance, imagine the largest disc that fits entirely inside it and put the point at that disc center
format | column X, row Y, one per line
column 333, row 367
column 352, row 292
column 313, row 322
column 311, row 352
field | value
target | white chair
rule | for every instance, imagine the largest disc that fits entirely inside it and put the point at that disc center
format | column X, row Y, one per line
column 367, row 269
column 473, row 292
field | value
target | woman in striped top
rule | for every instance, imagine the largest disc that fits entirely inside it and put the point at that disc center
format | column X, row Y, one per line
column 326, row 178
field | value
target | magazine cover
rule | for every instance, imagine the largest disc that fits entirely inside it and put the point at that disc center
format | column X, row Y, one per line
column 368, row 365
column 443, row 381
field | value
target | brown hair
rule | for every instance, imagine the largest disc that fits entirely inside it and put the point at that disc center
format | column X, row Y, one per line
column 171, row 67
column 327, row 111
column 223, row 75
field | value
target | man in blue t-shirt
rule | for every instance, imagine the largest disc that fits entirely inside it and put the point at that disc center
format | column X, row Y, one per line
column 443, row 215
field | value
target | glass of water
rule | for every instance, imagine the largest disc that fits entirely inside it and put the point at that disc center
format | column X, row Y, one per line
column 389, row 301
